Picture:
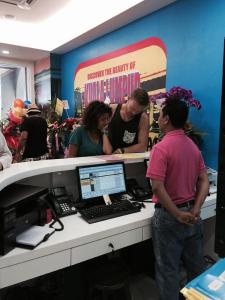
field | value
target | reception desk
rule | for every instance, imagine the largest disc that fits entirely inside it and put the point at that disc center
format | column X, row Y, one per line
column 79, row 241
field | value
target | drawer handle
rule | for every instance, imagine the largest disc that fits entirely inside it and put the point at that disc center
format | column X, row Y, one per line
column 112, row 247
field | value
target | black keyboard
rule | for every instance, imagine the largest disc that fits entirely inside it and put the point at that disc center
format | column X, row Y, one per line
column 103, row 212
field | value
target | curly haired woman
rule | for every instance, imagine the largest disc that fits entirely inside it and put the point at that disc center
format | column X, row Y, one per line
column 91, row 139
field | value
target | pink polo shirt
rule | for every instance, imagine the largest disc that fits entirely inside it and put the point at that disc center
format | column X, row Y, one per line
column 176, row 161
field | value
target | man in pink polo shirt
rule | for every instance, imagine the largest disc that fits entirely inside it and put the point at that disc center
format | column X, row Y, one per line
column 180, row 186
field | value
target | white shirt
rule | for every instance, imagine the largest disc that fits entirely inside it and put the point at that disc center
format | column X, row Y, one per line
column 5, row 154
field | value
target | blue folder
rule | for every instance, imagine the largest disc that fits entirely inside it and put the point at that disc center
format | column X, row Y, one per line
column 211, row 283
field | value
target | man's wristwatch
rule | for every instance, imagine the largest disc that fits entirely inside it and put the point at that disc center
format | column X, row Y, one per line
column 105, row 131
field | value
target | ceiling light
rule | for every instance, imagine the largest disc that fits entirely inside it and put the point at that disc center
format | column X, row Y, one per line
column 6, row 52
column 9, row 17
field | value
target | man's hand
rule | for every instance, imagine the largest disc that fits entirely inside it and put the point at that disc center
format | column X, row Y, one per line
column 185, row 217
column 17, row 158
column 196, row 212
column 118, row 151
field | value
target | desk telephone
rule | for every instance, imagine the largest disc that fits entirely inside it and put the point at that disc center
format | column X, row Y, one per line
column 61, row 202
column 137, row 191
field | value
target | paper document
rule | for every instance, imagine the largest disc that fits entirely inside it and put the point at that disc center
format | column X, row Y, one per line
column 107, row 199
column 131, row 155
column 212, row 189
column 118, row 157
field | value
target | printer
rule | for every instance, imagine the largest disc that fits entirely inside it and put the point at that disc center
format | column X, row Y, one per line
column 19, row 209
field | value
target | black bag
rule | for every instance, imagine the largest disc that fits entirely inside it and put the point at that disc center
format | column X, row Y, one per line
column 25, row 293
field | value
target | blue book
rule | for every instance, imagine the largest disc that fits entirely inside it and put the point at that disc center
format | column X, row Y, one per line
column 211, row 283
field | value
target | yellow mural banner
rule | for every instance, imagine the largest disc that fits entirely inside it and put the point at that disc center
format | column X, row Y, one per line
column 112, row 77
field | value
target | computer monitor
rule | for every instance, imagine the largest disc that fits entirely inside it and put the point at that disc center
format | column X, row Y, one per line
column 103, row 179
column 146, row 161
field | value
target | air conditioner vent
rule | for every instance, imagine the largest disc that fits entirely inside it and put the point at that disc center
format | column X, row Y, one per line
column 30, row 2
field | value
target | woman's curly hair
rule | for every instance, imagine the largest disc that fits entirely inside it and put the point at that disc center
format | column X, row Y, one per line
column 93, row 112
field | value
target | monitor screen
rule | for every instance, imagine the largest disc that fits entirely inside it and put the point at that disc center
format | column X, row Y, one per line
column 98, row 180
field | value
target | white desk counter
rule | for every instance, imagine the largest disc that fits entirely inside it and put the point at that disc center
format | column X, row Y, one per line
column 24, row 170
column 79, row 241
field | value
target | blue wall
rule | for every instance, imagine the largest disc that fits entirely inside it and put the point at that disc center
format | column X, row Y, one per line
column 193, row 32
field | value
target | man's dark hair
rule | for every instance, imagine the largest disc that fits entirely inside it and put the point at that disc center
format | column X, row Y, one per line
column 177, row 110
column 141, row 96
column 93, row 112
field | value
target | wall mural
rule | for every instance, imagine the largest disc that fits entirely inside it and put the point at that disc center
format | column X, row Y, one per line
column 42, row 81
column 113, row 76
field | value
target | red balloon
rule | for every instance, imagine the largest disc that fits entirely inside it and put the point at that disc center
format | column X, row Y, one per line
column 18, row 103
column 15, row 119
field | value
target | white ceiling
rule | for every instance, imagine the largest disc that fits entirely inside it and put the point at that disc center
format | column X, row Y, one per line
column 22, row 53
column 127, row 16
column 61, row 25
column 39, row 10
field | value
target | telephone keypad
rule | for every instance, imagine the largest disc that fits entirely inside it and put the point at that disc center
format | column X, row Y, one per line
column 62, row 202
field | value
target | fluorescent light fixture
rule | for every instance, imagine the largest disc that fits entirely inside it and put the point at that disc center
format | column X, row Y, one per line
column 70, row 22
column 6, row 52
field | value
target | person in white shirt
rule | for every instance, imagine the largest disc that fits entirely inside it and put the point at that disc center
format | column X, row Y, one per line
column 5, row 154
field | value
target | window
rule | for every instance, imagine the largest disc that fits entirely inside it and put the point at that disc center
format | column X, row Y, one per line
column 16, row 81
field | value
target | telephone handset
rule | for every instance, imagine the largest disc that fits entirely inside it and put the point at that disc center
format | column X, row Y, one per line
column 137, row 191
column 61, row 202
